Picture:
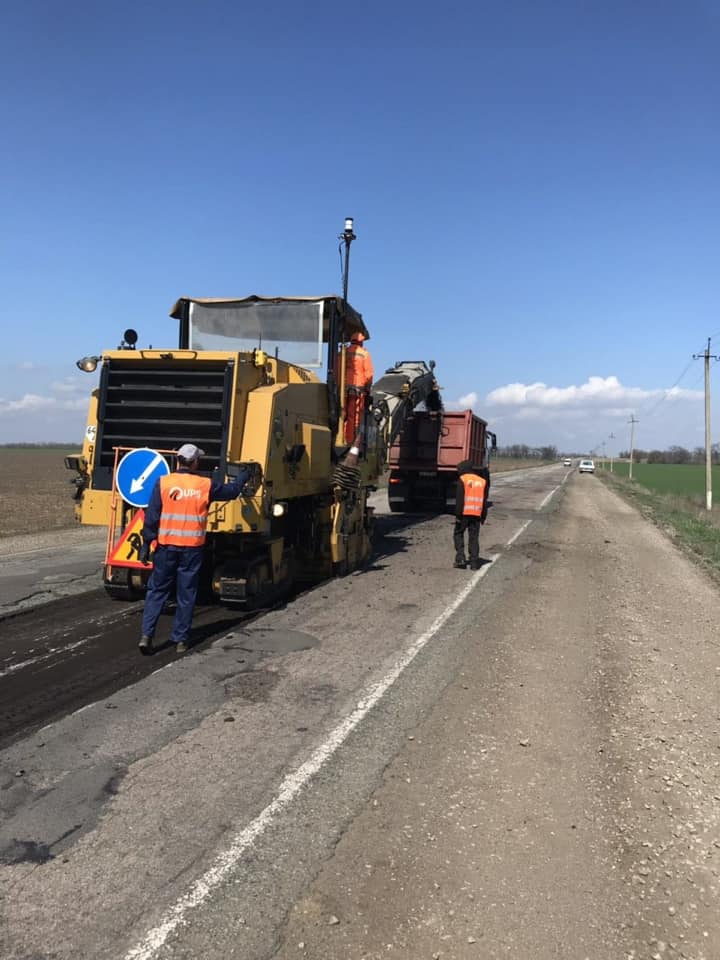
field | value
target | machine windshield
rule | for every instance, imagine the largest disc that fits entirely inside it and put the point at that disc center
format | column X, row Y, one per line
column 291, row 331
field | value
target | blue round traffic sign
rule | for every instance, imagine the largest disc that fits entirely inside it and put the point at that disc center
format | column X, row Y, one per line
column 137, row 473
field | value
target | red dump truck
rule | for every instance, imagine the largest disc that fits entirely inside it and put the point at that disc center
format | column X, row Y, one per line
column 424, row 458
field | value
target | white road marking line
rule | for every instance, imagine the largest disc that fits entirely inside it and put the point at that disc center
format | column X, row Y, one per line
column 517, row 533
column 291, row 786
column 294, row 782
column 547, row 498
column 527, row 523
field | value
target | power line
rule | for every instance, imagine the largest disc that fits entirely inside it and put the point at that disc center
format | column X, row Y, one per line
column 649, row 413
column 698, row 381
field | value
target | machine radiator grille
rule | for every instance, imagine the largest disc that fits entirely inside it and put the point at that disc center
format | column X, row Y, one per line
column 144, row 404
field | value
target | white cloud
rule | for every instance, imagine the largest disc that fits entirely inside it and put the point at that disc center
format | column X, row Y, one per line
column 41, row 403
column 468, row 400
column 577, row 414
column 31, row 402
column 70, row 385
column 597, row 392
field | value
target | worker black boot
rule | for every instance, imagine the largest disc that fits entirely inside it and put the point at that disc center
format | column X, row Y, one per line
column 145, row 646
column 460, row 564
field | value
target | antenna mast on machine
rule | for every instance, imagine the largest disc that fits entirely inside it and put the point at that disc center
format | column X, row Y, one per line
column 338, row 330
column 347, row 236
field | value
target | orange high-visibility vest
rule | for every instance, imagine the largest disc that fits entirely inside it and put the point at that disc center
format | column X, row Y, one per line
column 185, row 498
column 358, row 367
column 474, row 495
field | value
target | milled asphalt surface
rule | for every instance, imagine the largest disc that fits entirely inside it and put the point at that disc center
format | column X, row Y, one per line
column 60, row 657
column 42, row 567
column 540, row 781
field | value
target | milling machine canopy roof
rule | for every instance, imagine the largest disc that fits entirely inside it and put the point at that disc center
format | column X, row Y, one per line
column 348, row 320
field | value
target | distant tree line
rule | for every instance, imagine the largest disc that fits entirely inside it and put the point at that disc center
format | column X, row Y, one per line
column 673, row 454
column 521, row 451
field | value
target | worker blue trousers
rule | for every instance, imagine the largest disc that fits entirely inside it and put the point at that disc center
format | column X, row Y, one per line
column 177, row 567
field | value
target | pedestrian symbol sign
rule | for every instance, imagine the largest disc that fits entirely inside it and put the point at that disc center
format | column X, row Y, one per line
column 126, row 552
column 137, row 473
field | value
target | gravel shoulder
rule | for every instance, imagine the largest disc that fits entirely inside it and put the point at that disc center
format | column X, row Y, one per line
column 562, row 798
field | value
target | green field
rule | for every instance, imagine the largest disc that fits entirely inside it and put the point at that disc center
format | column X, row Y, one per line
column 681, row 479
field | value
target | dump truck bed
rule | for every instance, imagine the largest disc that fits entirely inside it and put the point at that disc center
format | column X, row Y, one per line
column 439, row 441
column 424, row 459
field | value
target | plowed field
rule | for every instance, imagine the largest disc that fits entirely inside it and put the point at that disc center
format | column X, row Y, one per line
column 35, row 490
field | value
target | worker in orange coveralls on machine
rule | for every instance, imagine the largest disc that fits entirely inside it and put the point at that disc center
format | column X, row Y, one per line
column 358, row 380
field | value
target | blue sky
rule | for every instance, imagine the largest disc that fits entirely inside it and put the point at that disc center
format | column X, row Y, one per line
column 534, row 185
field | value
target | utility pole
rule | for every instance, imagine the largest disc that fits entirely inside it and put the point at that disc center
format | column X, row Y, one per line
column 611, row 437
column 632, row 421
column 708, row 439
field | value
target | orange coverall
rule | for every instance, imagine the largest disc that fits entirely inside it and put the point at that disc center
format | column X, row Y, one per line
column 358, row 380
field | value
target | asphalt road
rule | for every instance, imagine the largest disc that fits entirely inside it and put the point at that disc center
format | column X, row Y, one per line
column 414, row 761
column 39, row 568
column 61, row 656
column 64, row 645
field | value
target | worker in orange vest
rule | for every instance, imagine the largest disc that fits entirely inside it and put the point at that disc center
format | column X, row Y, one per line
column 176, row 517
column 358, row 380
column 471, row 505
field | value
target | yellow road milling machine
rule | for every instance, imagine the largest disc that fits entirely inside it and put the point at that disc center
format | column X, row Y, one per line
column 245, row 384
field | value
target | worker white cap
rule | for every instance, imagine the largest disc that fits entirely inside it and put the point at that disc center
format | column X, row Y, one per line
column 189, row 452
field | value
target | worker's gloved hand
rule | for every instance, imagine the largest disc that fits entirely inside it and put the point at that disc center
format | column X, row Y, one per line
column 252, row 484
column 144, row 555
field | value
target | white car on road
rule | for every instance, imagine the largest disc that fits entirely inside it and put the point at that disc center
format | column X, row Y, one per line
column 586, row 466
column 567, row 462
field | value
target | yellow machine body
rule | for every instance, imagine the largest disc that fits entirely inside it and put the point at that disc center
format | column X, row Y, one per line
column 241, row 407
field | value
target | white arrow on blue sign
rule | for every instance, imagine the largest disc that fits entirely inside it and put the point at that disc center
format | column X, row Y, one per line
column 137, row 473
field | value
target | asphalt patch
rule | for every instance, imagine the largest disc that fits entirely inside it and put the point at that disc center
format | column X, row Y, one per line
column 24, row 851
column 56, row 816
column 267, row 640
column 255, row 687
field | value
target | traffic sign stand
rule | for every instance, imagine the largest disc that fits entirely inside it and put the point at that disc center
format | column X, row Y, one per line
column 112, row 547
column 126, row 552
